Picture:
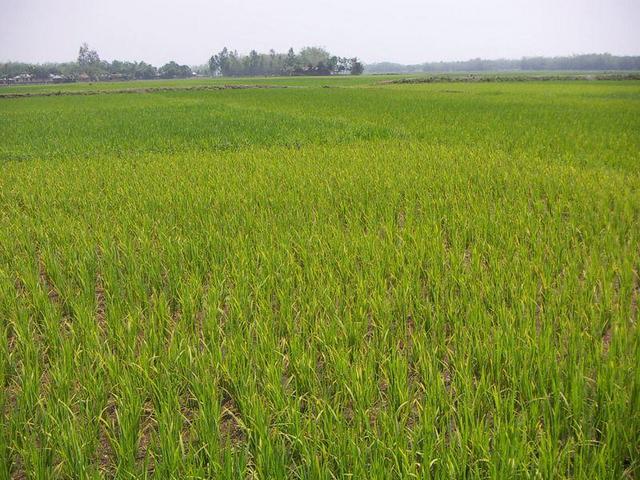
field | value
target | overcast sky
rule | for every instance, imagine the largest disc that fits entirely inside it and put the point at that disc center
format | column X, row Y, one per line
column 406, row 31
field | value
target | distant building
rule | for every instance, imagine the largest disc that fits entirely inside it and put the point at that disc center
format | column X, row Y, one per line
column 22, row 78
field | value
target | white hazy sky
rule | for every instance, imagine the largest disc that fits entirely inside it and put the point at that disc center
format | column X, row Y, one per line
column 406, row 31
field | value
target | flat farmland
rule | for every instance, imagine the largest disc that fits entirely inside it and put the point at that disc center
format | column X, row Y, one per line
column 320, row 278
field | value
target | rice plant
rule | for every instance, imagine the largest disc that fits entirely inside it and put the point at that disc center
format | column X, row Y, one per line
column 422, row 280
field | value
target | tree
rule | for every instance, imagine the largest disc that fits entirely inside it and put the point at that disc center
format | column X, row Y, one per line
column 223, row 62
column 143, row 70
column 89, row 62
column 214, row 65
column 333, row 65
column 356, row 67
column 173, row 70
column 311, row 57
column 87, row 57
column 310, row 61
column 39, row 72
column 290, row 62
column 253, row 63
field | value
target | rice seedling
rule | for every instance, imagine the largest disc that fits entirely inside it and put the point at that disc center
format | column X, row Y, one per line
column 368, row 281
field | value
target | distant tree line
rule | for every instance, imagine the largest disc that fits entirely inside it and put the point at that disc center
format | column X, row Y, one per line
column 595, row 61
column 309, row 61
column 89, row 66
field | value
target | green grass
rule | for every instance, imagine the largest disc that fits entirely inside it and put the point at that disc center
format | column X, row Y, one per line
column 313, row 81
column 367, row 281
column 336, row 80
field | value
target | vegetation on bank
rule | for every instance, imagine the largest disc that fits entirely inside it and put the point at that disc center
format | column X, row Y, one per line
column 511, row 77
column 89, row 66
column 589, row 62
column 309, row 61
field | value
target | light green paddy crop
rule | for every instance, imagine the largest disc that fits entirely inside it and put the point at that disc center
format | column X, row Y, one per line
column 365, row 281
